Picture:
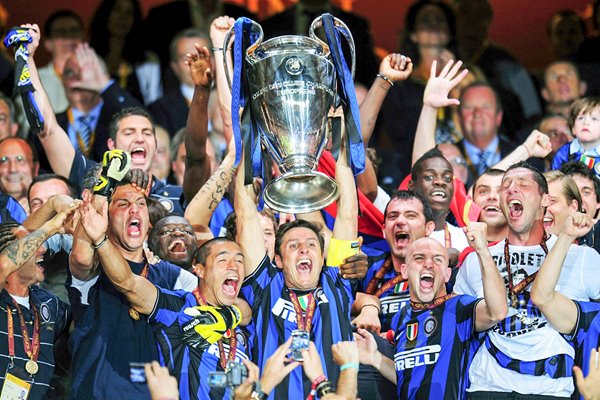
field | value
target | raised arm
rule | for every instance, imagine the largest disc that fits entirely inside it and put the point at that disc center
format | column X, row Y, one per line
column 49, row 209
column 58, row 148
column 559, row 310
column 493, row 308
column 20, row 251
column 435, row 97
column 249, row 231
column 218, row 29
column 369, row 355
column 197, row 164
column 200, row 210
column 139, row 291
column 537, row 144
column 394, row 67
column 346, row 220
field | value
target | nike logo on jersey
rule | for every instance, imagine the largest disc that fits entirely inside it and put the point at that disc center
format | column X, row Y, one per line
column 285, row 309
column 417, row 357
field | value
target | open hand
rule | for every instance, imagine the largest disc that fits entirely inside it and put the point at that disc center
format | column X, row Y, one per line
column 438, row 87
column 200, row 65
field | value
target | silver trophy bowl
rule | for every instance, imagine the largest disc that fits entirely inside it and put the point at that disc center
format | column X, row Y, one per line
column 292, row 83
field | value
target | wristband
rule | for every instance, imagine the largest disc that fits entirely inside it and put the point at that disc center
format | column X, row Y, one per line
column 349, row 365
column 385, row 78
column 324, row 388
column 527, row 150
column 313, row 388
column 370, row 305
column 257, row 392
column 216, row 49
column 339, row 250
column 102, row 242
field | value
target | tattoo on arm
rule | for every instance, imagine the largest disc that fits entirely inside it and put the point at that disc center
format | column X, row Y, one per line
column 23, row 249
column 215, row 186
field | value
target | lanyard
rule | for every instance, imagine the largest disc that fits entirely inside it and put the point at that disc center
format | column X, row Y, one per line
column 515, row 290
column 304, row 322
column 82, row 146
column 133, row 313
column 379, row 275
column 223, row 360
column 417, row 306
column 31, row 347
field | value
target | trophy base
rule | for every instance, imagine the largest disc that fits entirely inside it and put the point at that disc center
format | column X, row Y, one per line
column 297, row 193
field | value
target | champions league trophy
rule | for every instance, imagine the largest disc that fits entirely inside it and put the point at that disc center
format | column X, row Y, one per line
column 292, row 85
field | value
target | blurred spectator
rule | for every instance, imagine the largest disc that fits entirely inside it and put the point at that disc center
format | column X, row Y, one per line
column 429, row 33
column 8, row 125
column 166, row 20
column 459, row 165
column 7, row 71
column 161, row 165
column 171, row 110
column 18, row 166
column 556, row 127
column 63, row 31
column 117, row 35
column 515, row 87
column 566, row 32
column 296, row 20
column 562, row 86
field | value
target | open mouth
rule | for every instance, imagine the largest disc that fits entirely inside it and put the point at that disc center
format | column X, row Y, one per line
column 304, row 266
column 230, row 286
column 134, row 228
column 402, row 239
column 515, row 209
column 39, row 263
column 548, row 222
column 178, row 247
column 426, row 281
column 138, row 155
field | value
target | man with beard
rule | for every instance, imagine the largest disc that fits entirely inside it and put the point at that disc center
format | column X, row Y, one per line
column 436, row 334
column 523, row 354
column 109, row 333
column 188, row 354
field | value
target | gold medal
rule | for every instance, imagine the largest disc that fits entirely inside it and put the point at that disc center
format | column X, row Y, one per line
column 134, row 314
column 31, row 367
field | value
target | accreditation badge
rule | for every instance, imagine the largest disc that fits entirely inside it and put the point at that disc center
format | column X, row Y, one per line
column 17, row 384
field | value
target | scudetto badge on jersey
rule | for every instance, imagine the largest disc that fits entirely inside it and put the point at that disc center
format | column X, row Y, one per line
column 430, row 326
column 411, row 331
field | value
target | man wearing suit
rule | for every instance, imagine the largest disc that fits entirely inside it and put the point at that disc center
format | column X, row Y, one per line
column 171, row 110
column 92, row 103
column 480, row 113
column 296, row 20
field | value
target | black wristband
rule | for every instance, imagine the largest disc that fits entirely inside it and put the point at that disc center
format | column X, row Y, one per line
column 324, row 388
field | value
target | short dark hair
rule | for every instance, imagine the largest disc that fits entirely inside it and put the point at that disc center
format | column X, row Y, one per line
column 58, row 15
column 10, row 104
column 577, row 168
column 186, row 33
column 299, row 223
column 478, row 84
column 46, row 177
column 7, row 235
column 562, row 61
column 204, row 250
column 124, row 113
column 157, row 221
column 566, row 13
column 156, row 211
column 491, row 172
column 230, row 223
column 538, row 177
column 404, row 195
column 417, row 167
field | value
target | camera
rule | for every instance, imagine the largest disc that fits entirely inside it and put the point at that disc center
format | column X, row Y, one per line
column 232, row 377
column 300, row 341
column 137, row 374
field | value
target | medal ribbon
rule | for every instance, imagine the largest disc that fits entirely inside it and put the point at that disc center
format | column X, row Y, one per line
column 379, row 275
column 515, row 290
column 417, row 306
column 144, row 274
column 32, row 348
column 223, row 360
column 447, row 237
column 304, row 322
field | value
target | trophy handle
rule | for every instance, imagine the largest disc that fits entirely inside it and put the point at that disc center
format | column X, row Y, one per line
column 227, row 51
column 318, row 22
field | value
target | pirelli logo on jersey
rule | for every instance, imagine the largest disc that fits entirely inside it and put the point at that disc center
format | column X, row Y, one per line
column 418, row 357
